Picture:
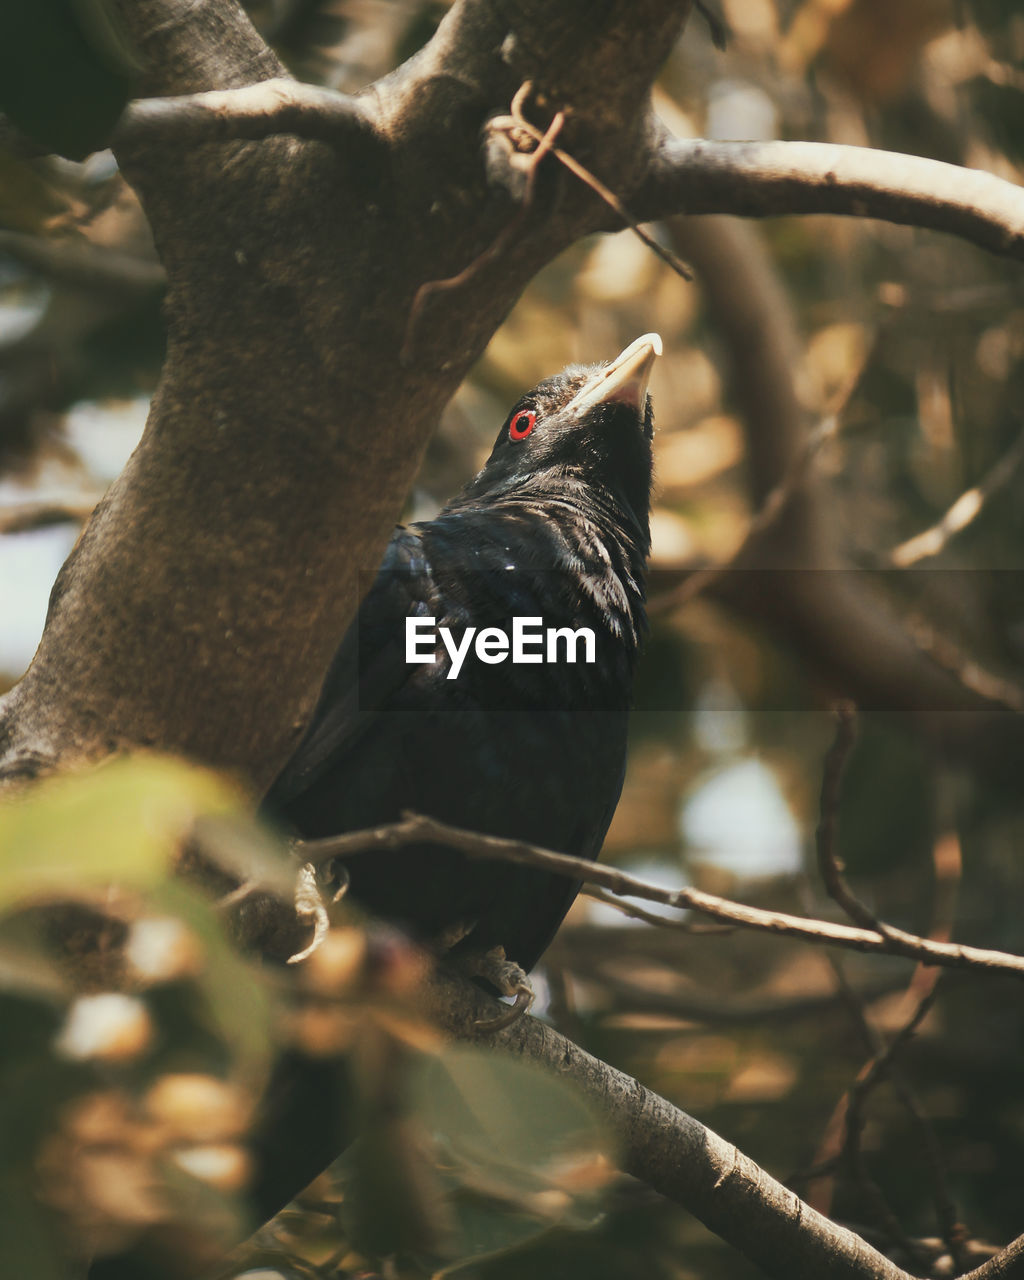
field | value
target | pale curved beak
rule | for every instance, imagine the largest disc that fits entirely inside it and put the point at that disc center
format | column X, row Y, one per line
column 624, row 381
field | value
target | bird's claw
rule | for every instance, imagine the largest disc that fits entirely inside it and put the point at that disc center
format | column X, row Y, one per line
column 523, row 1000
column 508, row 978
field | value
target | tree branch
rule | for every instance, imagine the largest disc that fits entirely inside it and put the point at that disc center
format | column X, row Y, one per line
column 84, row 265
column 1004, row 1266
column 23, row 517
column 826, row 836
column 678, row 1156
column 267, row 109
column 769, row 179
column 415, row 829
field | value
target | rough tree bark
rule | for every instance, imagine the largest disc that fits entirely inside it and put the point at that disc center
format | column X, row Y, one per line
column 202, row 604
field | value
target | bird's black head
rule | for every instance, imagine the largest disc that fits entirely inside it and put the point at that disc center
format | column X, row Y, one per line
column 583, row 436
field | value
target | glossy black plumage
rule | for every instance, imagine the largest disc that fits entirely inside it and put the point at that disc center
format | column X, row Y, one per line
column 555, row 526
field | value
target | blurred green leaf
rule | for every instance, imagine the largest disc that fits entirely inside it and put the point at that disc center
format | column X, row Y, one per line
column 30, row 1245
column 520, row 1151
column 121, row 822
column 484, row 1104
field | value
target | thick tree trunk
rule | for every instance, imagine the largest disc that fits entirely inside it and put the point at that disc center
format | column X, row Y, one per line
column 204, row 600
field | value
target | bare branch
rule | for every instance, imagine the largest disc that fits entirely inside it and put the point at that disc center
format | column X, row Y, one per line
column 84, row 265
column 414, row 829
column 23, row 517
column 498, row 246
column 1008, row 1265
column 677, row 1156
column 966, row 509
column 774, row 506
column 769, row 179
column 848, row 1112
column 948, row 656
column 841, row 1143
column 267, row 109
column 649, row 917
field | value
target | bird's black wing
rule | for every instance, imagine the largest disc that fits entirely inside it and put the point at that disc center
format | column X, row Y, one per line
column 532, row 753
column 367, row 670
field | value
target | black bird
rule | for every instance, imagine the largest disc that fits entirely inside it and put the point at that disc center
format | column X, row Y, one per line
column 555, row 528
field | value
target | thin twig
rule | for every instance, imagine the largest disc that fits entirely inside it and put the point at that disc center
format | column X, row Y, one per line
column 417, row 829
column 963, row 512
column 841, row 1140
column 718, row 29
column 775, row 502
column 517, row 121
column 23, row 517
column 876, row 1070
column 948, row 655
column 82, row 264
column 649, row 917
column 829, row 863
column 622, row 992
column 493, row 251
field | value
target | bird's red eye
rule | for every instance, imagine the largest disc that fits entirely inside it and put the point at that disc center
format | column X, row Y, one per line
column 522, row 424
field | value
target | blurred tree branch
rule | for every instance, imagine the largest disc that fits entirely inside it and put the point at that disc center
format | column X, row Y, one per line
column 790, row 575
column 84, row 266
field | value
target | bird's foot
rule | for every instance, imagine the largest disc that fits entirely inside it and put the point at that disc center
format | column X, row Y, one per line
column 506, row 977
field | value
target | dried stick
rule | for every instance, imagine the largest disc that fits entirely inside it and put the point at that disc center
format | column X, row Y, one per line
column 84, row 265
column 649, row 917
column 952, row 659
column 493, row 251
column 775, row 503
column 842, row 1135
column 517, row 121
column 415, row 829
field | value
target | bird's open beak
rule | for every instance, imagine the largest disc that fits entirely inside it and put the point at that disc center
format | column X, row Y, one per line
column 624, row 381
